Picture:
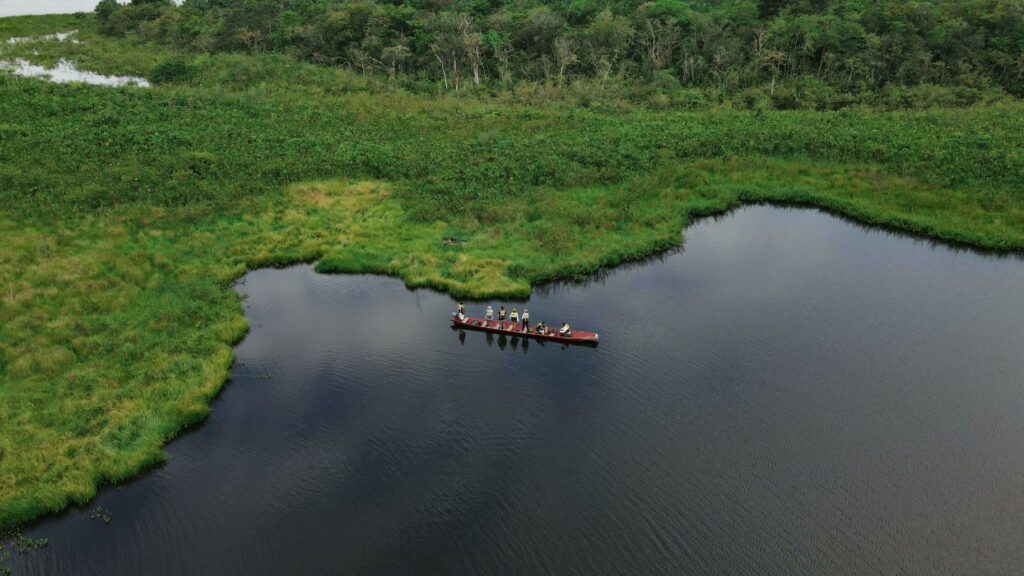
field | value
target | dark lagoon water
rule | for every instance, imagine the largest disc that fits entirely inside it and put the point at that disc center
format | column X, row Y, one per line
column 792, row 394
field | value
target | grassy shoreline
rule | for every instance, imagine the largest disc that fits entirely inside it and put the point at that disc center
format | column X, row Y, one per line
column 126, row 215
column 313, row 226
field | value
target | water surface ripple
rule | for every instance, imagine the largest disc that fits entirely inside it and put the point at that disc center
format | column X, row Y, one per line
column 792, row 394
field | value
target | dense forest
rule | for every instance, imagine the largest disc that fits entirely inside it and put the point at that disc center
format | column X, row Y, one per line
column 756, row 53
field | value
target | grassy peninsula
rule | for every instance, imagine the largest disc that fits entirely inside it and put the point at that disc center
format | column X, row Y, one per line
column 126, row 214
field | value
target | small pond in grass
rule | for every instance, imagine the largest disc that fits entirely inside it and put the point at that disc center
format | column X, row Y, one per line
column 790, row 394
column 66, row 72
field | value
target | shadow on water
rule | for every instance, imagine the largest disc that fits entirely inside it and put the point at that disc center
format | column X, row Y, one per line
column 892, row 232
column 600, row 275
column 792, row 395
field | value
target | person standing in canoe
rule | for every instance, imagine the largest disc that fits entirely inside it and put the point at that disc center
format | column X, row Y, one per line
column 461, row 310
column 514, row 316
column 502, row 314
column 526, row 318
column 489, row 315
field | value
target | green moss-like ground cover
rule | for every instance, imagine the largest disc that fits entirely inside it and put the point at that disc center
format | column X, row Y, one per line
column 126, row 214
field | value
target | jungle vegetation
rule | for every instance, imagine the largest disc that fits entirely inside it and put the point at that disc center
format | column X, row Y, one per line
column 664, row 53
column 126, row 214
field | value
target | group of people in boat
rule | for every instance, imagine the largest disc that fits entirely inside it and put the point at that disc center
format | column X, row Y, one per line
column 513, row 321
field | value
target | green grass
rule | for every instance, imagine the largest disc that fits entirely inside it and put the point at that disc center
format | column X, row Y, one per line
column 125, row 216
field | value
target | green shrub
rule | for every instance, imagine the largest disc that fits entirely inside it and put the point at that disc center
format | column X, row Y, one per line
column 933, row 96
column 201, row 164
column 173, row 69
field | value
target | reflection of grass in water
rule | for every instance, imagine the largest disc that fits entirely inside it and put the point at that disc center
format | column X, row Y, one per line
column 12, row 541
column 126, row 215
column 102, row 514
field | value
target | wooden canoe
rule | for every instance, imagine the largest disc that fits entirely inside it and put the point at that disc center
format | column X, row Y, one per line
column 516, row 329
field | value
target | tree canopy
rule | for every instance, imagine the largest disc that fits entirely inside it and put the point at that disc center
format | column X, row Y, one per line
column 777, row 49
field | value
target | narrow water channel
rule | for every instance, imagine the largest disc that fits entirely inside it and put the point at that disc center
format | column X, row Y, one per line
column 790, row 394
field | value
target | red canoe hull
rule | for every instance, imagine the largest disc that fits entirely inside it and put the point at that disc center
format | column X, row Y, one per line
column 516, row 329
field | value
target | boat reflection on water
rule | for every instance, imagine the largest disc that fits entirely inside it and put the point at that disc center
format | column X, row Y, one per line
column 516, row 343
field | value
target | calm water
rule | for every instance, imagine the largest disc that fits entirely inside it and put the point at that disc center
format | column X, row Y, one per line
column 792, row 394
